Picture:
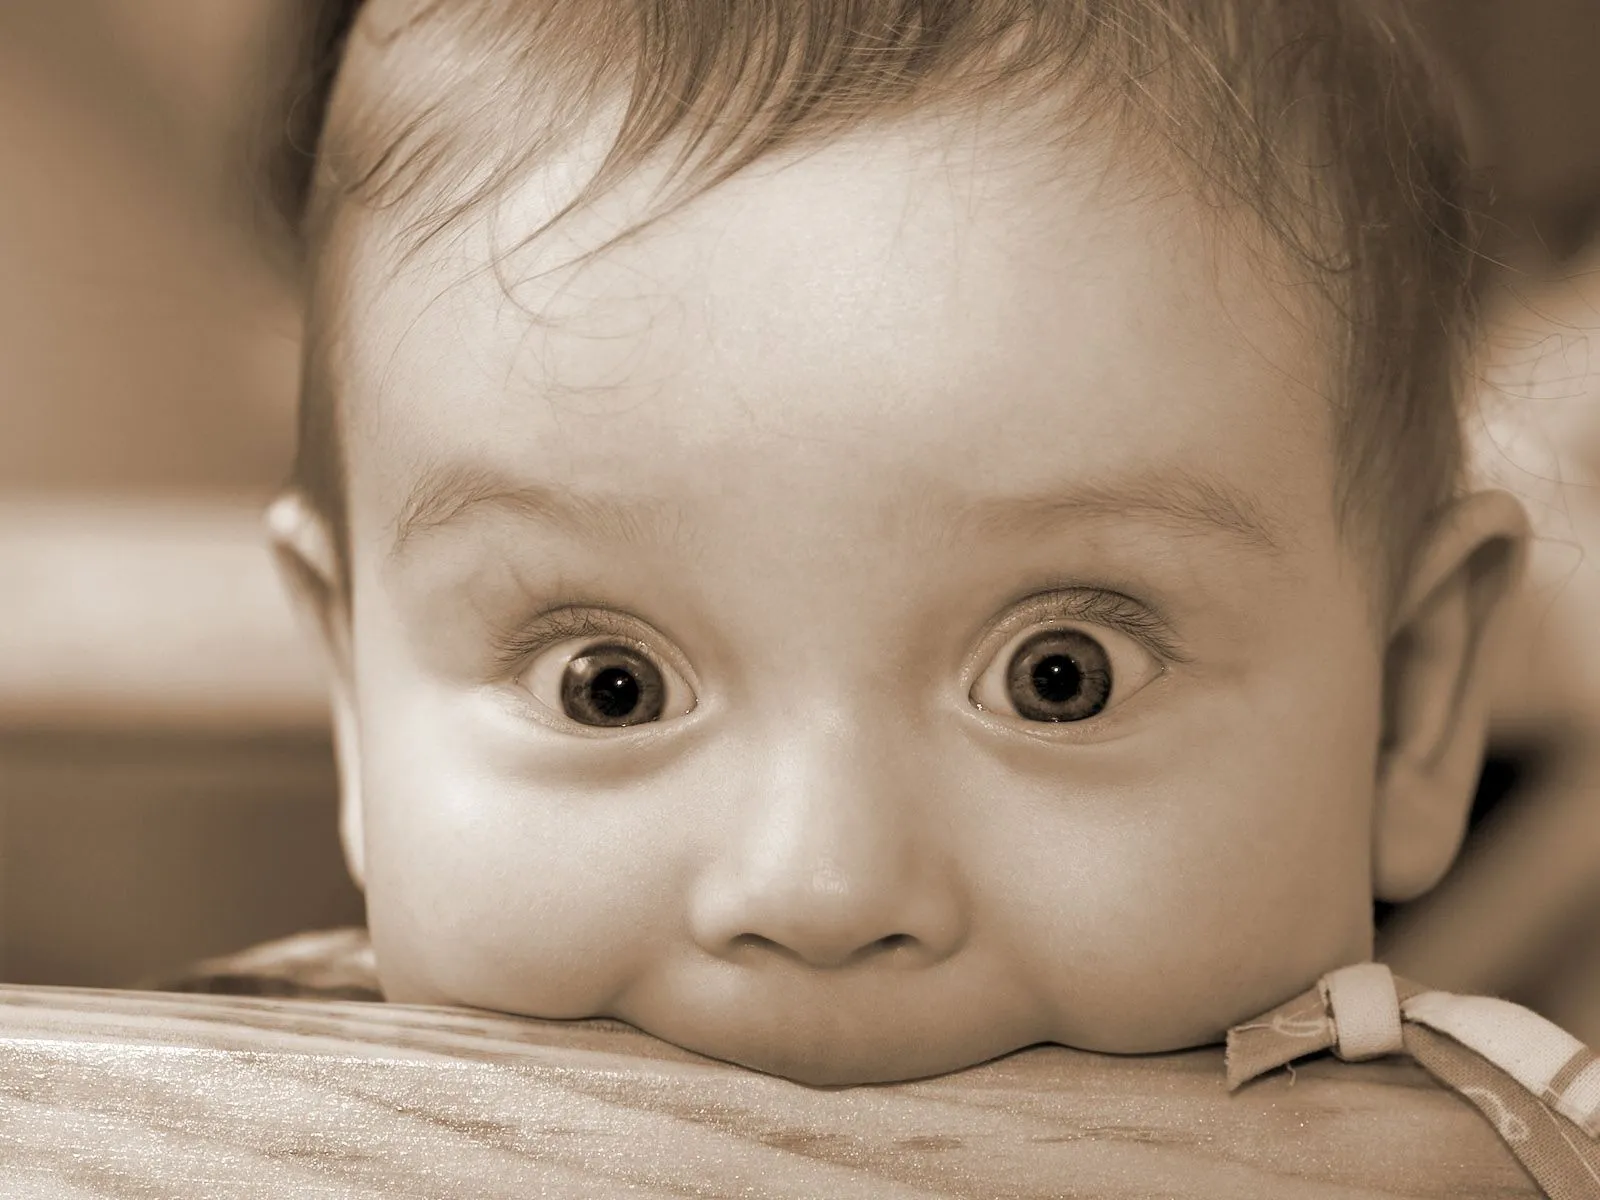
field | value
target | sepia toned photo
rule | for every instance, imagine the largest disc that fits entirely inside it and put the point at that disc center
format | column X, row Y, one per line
column 800, row 598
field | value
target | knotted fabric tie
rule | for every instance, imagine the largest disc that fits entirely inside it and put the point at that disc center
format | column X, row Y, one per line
column 1537, row 1084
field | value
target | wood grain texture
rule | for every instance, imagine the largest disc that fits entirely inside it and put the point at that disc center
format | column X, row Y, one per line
column 132, row 1094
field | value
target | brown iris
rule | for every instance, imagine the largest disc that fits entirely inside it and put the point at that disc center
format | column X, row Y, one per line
column 612, row 686
column 1059, row 675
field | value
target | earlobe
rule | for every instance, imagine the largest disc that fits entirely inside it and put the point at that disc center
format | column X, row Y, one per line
column 1440, row 671
column 347, row 751
column 307, row 562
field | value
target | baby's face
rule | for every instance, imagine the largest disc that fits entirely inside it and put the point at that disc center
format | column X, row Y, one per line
column 887, row 616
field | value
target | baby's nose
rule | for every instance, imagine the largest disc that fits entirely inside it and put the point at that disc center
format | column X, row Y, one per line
column 829, row 916
column 833, row 865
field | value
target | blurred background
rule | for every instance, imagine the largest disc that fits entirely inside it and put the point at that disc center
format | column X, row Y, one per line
column 166, row 780
column 166, row 776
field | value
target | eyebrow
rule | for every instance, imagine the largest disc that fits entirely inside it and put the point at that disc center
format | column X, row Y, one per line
column 1182, row 500
column 1186, row 501
column 448, row 495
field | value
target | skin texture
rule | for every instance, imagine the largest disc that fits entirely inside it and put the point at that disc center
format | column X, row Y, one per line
column 842, row 855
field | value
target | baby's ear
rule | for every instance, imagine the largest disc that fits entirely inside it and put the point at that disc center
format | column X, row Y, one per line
column 1439, row 676
column 303, row 545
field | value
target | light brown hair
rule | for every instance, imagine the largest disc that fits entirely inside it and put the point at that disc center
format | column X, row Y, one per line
column 1323, row 118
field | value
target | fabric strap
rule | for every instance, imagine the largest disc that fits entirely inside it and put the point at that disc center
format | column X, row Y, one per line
column 1537, row 1084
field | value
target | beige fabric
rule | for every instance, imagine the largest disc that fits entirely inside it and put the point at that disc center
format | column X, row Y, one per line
column 1580, row 1098
column 327, row 964
column 1536, row 1084
column 1366, row 1011
column 1523, row 1045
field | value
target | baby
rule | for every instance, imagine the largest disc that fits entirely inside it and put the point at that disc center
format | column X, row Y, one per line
column 859, row 537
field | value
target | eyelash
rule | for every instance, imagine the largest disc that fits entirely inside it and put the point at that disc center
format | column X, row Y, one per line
column 559, row 626
column 1089, row 606
column 1094, row 606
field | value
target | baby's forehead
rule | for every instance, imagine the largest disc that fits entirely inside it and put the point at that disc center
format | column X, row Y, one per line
column 900, row 303
column 893, row 233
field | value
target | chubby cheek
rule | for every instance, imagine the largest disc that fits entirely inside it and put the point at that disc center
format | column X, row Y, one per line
column 487, row 890
column 1228, row 881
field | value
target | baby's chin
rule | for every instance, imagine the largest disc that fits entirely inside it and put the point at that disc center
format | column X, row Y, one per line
column 830, row 1054
column 822, row 1057
column 866, row 1028
column 849, row 1045
column 823, row 1061
column 837, row 1046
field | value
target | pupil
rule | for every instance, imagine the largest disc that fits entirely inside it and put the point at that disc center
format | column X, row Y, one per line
column 615, row 692
column 1057, row 679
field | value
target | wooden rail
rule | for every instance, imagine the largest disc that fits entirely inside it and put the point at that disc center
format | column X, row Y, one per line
column 131, row 1094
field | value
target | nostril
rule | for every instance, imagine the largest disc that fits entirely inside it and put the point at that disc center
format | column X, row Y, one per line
column 880, row 948
column 754, row 941
column 883, row 945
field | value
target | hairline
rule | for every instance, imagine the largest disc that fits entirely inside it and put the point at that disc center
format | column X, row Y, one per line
column 956, row 96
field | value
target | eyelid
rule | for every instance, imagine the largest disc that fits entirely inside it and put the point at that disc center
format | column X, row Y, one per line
column 1087, row 606
column 567, row 623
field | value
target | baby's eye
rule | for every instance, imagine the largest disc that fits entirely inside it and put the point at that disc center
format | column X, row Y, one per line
column 1064, row 674
column 607, row 683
